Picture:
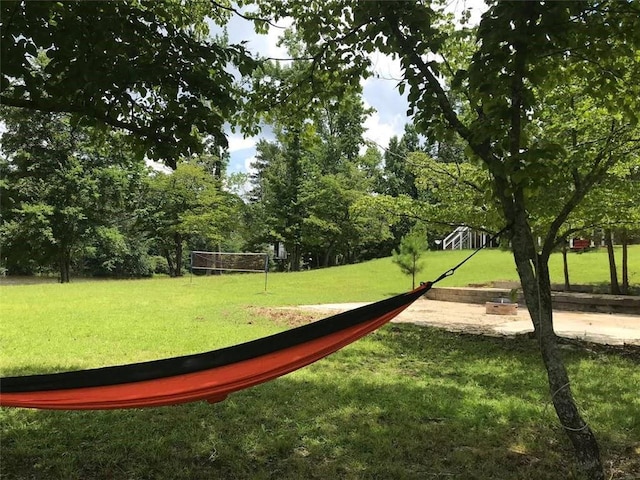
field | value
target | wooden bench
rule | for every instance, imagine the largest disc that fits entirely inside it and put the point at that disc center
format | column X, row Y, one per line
column 580, row 245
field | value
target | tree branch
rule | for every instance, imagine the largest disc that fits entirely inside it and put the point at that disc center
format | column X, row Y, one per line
column 598, row 169
column 443, row 101
column 53, row 107
column 483, row 148
column 246, row 17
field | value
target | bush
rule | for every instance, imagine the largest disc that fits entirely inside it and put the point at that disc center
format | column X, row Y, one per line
column 159, row 265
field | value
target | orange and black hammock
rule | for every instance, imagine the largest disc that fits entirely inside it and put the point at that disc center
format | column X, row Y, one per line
column 207, row 376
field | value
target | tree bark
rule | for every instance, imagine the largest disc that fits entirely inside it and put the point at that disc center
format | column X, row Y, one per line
column 170, row 265
column 295, row 256
column 65, row 265
column 613, row 271
column 565, row 267
column 624, row 239
column 326, row 262
column 178, row 247
column 534, row 277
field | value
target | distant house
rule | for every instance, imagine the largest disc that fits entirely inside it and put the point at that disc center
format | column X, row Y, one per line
column 464, row 238
column 580, row 244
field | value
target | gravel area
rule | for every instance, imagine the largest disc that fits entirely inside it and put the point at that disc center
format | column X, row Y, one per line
column 610, row 329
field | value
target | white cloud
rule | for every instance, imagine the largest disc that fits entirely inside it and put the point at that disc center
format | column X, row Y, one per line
column 381, row 132
column 241, row 30
column 238, row 142
column 390, row 109
column 477, row 7
column 248, row 164
column 273, row 37
column 385, row 67
column 380, row 92
column 157, row 166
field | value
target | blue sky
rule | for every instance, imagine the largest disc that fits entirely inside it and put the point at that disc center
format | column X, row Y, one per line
column 379, row 91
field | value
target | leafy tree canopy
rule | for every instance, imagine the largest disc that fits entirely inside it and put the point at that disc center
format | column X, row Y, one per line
column 147, row 67
column 63, row 187
column 187, row 205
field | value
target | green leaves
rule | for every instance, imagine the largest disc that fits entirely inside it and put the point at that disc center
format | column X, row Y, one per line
column 411, row 249
column 188, row 202
column 145, row 67
column 61, row 186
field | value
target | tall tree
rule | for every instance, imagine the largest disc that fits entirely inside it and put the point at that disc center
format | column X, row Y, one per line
column 288, row 156
column 317, row 134
column 522, row 51
column 185, row 206
column 331, row 227
column 334, row 230
column 61, row 182
column 335, row 179
column 119, row 247
column 339, row 123
column 614, row 206
column 399, row 177
column 277, row 186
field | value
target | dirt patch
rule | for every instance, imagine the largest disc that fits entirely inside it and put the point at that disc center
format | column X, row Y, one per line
column 287, row 317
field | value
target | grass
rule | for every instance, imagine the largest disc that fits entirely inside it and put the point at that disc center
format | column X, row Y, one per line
column 405, row 402
column 89, row 324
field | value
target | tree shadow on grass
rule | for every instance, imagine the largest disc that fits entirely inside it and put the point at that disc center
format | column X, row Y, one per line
column 405, row 403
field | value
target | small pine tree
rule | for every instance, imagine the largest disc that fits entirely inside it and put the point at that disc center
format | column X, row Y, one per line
column 412, row 246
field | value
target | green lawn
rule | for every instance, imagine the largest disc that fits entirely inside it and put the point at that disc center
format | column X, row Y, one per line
column 405, row 402
column 88, row 324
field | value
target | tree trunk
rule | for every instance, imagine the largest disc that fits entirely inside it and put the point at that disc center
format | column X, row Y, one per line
column 565, row 267
column 178, row 247
column 327, row 256
column 613, row 271
column 293, row 221
column 296, row 258
column 170, row 265
column 413, row 271
column 624, row 239
column 65, row 265
column 534, row 277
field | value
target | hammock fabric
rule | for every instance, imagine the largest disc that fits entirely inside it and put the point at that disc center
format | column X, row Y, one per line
column 207, row 376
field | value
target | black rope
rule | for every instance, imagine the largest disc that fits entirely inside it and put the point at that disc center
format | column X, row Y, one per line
column 451, row 271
